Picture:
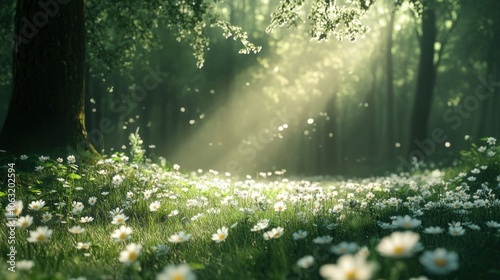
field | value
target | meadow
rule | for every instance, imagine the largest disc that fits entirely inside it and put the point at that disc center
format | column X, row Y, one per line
column 129, row 216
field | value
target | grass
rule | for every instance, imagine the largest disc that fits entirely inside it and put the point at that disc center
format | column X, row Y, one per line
column 352, row 211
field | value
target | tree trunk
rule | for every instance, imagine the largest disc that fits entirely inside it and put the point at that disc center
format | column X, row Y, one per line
column 46, row 112
column 425, row 84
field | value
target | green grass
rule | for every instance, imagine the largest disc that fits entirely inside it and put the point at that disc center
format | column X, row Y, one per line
column 245, row 254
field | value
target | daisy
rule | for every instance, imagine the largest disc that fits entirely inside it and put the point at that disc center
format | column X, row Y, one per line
column 456, row 230
column 179, row 237
column 23, row 157
column 115, row 212
column 439, row 261
column 92, row 200
column 14, row 209
column 25, row 264
column 305, row 262
column 433, row 230
column 261, row 225
column 301, row 234
column 279, row 206
column 153, row 207
column 406, row 222
column 119, row 219
column 344, row 248
column 71, row 159
column 323, row 239
column 77, row 207
column 492, row 224
column 47, row 216
column 348, row 267
column 76, row 230
column 398, row 244
column 86, row 219
column 122, row 234
column 24, row 222
column 117, row 180
column 36, row 205
column 274, row 233
column 221, row 235
column 83, row 245
column 176, row 272
column 130, row 254
column 41, row 234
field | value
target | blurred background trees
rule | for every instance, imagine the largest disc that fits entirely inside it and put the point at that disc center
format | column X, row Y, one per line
column 329, row 107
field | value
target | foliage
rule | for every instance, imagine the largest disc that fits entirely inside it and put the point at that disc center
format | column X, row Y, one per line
column 160, row 202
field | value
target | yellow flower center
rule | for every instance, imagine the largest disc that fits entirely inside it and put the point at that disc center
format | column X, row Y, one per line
column 24, row 224
column 351, row 275
column 222, row 236
column 41, row 237
column 440, row 262
column 123, row 235
column 132, row 256
column 398, row 250
column 178, row 276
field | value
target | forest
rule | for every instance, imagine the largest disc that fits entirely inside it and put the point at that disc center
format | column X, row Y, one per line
column 338, row 122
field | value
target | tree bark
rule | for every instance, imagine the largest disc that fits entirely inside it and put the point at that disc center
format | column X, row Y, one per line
column 46, row 112
column 425, row 83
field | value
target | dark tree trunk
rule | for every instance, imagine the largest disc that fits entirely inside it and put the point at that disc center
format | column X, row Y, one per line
column 46, row 112
column 425, row 81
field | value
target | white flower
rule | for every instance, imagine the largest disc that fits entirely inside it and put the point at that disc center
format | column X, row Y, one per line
column 130, row 254
column 323, row 239
column 117, row 180
column 76, row 230
column 262, row 224
column 36, row 205
column 491, row 141
column 47, row 216
column 122, row 234
column 71, row 159
column 433, row 230
column 92, row 200
column 24, row 222
column 25, row 264
column 176, row 167
column 344, row 248
column 41, row 234
column 176, row 272
column 481, row 149
column 39, row 168
column 399, row 244
column 119, row 219
column 24, row 157
column 221, row 235
column 439, row 261
column 160, row 250
column 155, row 206
column 301, row 234
column 274, row 233
column 305, row 262
column 493, row 224
column 179, row 237
column 406, row 222
column 77, row 207
column 86, row 219
column 348, row 267
column 456, row 230
column 14, row 209
column 83, row 245
column 279, row 206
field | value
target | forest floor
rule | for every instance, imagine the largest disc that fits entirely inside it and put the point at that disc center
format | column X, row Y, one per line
column 128, row 217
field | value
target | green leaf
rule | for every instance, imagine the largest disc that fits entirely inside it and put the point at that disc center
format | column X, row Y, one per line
column 196, row 266
column 2, row 194
column 74, row 176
